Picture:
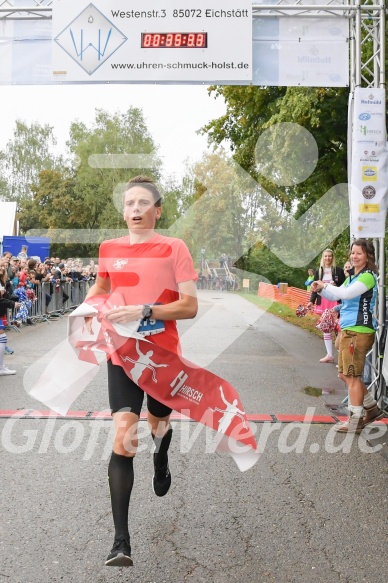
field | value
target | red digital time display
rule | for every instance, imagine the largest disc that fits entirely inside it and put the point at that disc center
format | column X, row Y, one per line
column 174, row 40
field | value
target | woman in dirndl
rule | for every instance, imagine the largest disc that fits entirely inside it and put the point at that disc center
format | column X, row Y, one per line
column 328, row 272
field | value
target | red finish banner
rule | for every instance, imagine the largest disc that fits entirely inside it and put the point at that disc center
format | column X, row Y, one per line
column 162, row 374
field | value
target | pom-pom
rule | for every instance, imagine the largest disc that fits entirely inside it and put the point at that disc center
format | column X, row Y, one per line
column 31, row 294
column 327, row 322
column 301, row 311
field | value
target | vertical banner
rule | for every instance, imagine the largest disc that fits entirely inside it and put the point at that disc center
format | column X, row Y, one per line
column 368, row 190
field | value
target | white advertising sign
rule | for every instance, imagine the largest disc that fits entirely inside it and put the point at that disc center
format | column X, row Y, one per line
column 369, row 164
column 300, row 51
column 314, row 64
column 315, row 51
column 152, row 40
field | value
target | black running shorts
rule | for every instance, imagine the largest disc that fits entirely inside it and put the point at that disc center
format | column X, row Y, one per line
column 125, row 394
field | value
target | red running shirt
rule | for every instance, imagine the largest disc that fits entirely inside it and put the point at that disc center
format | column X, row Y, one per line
column 148, row 273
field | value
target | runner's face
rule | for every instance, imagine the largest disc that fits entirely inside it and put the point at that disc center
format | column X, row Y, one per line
column 358, row 257
column 140, row 211
column 327, row 258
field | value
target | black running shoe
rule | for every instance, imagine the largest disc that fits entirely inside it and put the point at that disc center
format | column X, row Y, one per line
column 120, row 555
column 161, row 480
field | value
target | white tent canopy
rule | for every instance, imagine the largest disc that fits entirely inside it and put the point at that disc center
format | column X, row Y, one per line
column 8, row 223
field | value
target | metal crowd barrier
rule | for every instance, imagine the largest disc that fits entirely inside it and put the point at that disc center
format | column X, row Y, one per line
column 52, row 301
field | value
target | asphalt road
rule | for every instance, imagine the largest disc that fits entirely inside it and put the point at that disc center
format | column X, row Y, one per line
column 313, row 509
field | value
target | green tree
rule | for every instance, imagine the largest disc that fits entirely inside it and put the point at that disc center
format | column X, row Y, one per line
column 53, row 205
column 221, row 213
column 102, row 155
column 251, row 113
column 25, row 155
column 87, row 195
column 268, row 266
column 55, row 209
column 252, row 110
column 171, row 202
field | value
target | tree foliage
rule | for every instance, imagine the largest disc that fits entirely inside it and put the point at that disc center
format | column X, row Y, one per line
column 221, row 213
column 103, row 164
column 24, row 157
column 323, row 112
column 86, row 193
column 252, row 112
column 269, row 267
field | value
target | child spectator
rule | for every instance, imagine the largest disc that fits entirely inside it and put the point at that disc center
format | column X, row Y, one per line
column 3, row 342
column 310, row 279
column 7, row 301
column 24, row 276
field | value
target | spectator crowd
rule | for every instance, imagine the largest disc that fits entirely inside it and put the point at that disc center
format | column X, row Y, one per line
column 29, row 288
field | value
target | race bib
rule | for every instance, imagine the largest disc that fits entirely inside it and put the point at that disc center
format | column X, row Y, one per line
column 150, row 327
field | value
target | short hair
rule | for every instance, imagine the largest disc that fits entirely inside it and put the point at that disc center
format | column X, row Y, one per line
column 369, row 250
column 147, row 183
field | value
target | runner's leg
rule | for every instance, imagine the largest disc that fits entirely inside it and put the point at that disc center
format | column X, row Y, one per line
column 125, row 400
column 120, row 470
column 161, row 433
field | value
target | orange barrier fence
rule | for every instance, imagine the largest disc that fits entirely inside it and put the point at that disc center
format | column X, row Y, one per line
column 292, row 296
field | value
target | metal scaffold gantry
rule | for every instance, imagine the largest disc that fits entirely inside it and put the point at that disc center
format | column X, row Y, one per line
column 367, row 31
column 29, row 10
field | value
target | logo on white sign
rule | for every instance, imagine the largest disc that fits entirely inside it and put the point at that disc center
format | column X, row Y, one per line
column 90, row 39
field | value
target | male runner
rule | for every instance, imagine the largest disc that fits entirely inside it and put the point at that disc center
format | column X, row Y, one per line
column 156, row 277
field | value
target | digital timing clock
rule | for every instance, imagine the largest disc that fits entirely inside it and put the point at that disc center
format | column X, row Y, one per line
column 174, row 40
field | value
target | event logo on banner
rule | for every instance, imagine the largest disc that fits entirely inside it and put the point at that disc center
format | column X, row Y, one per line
column 145, row 40
column 90, row 39
column 369, row 165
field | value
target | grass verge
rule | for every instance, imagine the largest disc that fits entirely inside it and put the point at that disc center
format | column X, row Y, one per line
column 308, row 322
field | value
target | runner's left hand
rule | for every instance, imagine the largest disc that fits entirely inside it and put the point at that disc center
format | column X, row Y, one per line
column 124, row 314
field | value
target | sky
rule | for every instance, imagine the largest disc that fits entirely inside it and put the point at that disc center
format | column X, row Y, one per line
column 173, row 113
